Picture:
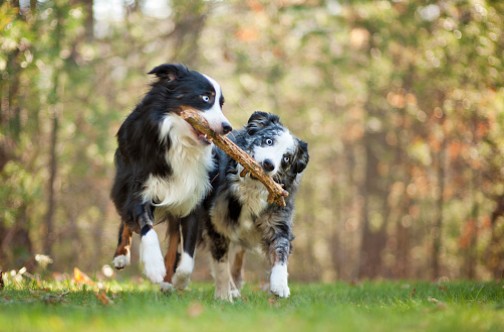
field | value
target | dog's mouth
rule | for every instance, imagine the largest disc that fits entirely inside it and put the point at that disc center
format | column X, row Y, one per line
column 202, row 138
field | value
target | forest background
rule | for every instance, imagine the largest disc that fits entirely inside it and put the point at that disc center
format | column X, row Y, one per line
column 401, row 102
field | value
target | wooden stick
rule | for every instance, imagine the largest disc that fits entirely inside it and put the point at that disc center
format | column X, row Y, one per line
column 276, row 192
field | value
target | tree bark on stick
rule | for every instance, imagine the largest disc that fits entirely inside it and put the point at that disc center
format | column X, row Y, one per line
column 276, row 193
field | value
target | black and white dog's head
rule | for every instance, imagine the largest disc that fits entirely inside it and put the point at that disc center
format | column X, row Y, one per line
column 282, row 155
column 178, row 86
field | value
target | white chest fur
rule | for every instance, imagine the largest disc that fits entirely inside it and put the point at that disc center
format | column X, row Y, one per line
column 253, row 198
column 190, row 161
column 252, row 194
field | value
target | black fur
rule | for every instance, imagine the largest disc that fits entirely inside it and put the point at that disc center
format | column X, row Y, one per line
column 143, row 147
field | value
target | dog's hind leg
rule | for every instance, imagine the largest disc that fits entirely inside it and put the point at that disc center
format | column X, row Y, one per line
column 237, row 267
column 219, row 249
column 122, row 255
column 171, row 256
column 190, row 230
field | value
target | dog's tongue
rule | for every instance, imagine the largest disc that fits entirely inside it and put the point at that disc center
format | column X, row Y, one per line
column 203, row 138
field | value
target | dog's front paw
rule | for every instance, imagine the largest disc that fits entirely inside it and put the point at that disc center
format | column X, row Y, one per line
column 235, row 293
column 166, row 287
column 278, row 281
column 183, row 272
column 181, row 279
column 152, row 258
column 121, row 261
column 224, row 294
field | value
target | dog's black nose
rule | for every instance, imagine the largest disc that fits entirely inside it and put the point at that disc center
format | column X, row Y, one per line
column 226, row 128
column 268, row 165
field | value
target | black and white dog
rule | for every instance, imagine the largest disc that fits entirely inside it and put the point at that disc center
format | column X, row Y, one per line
column 238, row 212
column 162, row 167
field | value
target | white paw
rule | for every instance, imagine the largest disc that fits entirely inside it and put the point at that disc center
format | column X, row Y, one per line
column 223, row 294
column 183, row 272
column 239, row 283
column 152, row 258
column 278, row 280
column 181, row 279
column 166, row 287
column 222, row 281
column 235, row 293
column 121, row 261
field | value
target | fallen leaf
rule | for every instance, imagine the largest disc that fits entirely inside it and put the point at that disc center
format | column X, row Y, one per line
column 103, row 298
column 81, row 278
column 413, row 292
column 432, row 300
column 54, row 298
column 195, row 309
column 439, row 304
column 272, row 300
column 60, row 277
column 43, row 260
column 354, row 283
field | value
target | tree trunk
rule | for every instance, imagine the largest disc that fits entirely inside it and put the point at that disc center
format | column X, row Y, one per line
column 372, row 241
column 15, row 243
column 470, row 254
column 51, row 198
column 190, row 20
column 89, row 20
column 495, row 251
column 53, row 162
column 438, row 223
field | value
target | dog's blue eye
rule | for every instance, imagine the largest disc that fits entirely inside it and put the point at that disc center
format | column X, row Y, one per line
column 286, row 159
column 206, row 99
column 269, row 141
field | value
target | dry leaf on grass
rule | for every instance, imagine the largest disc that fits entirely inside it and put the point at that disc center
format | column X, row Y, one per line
column 273, row 300
column 103, row 298
column 47, row 296
column 195, row 309
column 81, row 278
column 439, row 304
column 54, row 298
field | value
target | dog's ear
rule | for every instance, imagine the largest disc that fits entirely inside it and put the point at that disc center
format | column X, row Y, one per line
column 170, row 72
column 259, row 120
column 302, row 157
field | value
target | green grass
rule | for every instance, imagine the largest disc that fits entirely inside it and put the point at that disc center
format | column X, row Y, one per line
column 369, row 306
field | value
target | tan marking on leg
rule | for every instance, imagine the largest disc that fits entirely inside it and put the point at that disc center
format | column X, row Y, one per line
column 237, row 269
column 123, row 248
column 171, row 253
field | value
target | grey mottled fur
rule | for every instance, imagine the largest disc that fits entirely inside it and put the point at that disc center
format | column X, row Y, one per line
column 239, row 212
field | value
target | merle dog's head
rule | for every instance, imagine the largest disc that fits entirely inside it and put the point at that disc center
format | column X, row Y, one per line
column 178, row 86
column 279, row 153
